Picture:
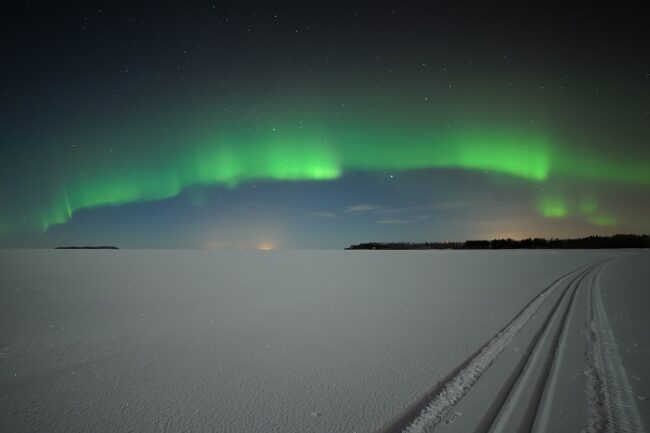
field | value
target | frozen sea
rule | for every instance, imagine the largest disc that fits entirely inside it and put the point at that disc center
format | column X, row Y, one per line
column 295, row 341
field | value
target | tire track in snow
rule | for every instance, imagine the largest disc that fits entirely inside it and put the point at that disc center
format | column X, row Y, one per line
column 423, row 415
column 612, row 407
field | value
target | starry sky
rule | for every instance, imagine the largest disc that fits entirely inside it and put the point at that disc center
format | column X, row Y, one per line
column 264, row 125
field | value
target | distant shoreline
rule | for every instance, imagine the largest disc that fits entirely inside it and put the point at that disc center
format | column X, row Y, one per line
column 590, row 242
column 88, row 247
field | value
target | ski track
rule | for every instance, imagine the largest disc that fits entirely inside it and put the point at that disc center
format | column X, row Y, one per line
column 523, row 403
column 531, row 389
column 456, row 388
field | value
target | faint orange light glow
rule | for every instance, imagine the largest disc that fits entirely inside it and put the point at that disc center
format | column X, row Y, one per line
column 265, row 246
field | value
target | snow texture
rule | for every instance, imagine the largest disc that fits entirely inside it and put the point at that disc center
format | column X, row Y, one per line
column 317, row 341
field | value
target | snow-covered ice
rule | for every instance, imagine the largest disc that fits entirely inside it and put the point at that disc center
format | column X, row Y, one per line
column 318, row 341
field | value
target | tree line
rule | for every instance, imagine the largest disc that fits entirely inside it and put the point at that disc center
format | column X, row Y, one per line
column 590, row 242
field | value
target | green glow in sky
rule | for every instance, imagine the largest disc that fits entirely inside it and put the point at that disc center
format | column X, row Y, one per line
column 552, row 206
column 603, row 220
column 294, row 154
column 303, row 152
column 559, row 205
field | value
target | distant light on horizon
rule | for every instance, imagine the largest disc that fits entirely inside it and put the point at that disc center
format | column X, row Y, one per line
column 215, row 245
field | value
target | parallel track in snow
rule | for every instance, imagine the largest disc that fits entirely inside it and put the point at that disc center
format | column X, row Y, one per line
column 523, row 384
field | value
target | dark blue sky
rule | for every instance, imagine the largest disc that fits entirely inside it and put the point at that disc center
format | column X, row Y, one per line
column 234, row 125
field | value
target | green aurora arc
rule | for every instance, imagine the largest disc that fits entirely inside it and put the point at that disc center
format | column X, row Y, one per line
column 300, row 152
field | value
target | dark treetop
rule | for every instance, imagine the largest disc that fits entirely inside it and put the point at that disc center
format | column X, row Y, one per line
column 591, row 242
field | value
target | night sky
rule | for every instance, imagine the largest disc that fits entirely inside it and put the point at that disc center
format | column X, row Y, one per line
column 251, row 124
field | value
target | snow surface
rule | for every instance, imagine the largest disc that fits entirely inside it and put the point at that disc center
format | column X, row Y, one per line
column 318, row 341
column 626, row 297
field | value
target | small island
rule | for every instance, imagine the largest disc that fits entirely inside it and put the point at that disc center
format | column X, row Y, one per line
column 590, row 242
column 88, row 247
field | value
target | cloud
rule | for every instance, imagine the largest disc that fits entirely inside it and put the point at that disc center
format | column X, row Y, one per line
column 394, row 222
column 451, row 205
column 364, row 207
column 389, row 211
column 322, row 214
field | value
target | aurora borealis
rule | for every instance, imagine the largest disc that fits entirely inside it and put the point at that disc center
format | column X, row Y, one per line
column 303, row 154
column 445, row 125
